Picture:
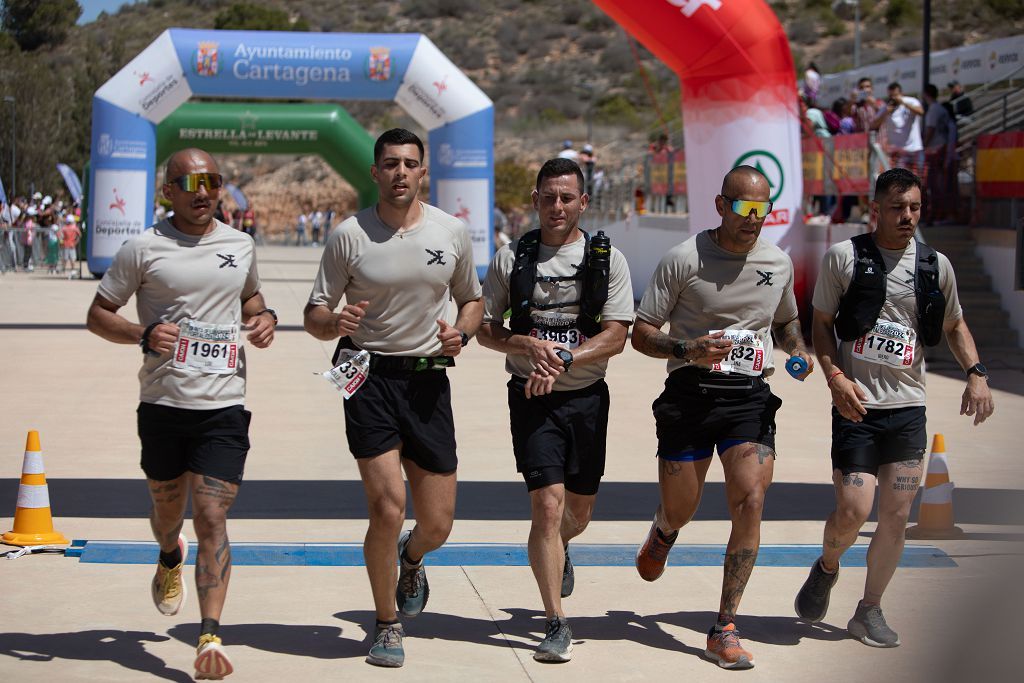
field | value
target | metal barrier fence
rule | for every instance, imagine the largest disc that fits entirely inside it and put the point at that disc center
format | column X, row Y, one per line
column 42, row 252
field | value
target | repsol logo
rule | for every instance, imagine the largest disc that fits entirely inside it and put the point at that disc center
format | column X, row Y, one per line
column 1009, row 58
column 970, row 64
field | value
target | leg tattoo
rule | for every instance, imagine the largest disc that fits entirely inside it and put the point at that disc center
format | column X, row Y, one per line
column 738, row 566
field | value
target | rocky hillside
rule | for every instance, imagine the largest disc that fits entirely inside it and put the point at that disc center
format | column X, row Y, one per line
column 551, row 68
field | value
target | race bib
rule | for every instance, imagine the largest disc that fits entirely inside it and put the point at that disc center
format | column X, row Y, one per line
column 887, row 343
column 746, row 357
column 351, row 372
column 557, row 327
column 207, row 347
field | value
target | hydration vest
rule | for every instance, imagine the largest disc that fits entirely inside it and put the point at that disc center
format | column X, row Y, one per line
column 593, row 289
column 860, row 306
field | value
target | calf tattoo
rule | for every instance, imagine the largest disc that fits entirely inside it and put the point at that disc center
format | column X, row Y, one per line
column 738, row 566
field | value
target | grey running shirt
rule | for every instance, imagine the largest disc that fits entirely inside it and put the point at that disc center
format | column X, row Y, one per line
column 699, row 287
column 407, row 277
column 885, row 387
column 175, row 276
column 558, row 261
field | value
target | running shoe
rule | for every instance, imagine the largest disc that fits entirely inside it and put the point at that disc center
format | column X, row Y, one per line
column 168, row 586
column 652, row 556
column 869, row 627
column 212, row 663
column 568, row 576
column 413, row 590
column 725, row 649
column 387, row 647
column 557, row 643
column 812, row 600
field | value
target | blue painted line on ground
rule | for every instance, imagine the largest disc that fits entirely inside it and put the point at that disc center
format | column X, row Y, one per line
column 492, row 555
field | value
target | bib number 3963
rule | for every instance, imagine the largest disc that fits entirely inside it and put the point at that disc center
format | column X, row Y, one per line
column 557, row 327
column 207, row 347
column 887, row 343
column 746, row 357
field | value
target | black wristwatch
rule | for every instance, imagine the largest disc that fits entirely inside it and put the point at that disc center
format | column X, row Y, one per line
column 465, row 338
column 978, row 369
column 566, row 358
column 144, row 340
column 679, row 350
column 271, row 311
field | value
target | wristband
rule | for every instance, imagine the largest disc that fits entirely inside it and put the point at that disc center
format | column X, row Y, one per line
column 144, row 340
column 273, row 314
column 833, row 376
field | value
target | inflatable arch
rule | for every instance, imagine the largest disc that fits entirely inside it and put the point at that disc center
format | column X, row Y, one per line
column 323, row 129
column 180, row 63
column 738, row 100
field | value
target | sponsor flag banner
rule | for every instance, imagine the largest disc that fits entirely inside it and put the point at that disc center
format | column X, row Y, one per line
column 814, row 166
column 1000, row 165
column 72, row 181
column 850, row 171
column 679, row 173
column 659, row 173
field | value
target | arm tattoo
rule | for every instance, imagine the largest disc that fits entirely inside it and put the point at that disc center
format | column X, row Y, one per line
column 790, row 337
column 738, row 566
column 657, row 344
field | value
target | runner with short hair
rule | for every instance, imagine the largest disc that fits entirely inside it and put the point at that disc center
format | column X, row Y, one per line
column 724, row 293
column 196, row 286
column 571, row 305
column 885, row 295
column 398, row 264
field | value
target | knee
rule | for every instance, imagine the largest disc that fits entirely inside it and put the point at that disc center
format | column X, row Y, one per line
column 894, row 518
column 387, row 513
column 750, row 503
column 851, row 516
column 433, row 532
column 209, row 521
column 677, row 516
column 576, row 520
column 547, row 512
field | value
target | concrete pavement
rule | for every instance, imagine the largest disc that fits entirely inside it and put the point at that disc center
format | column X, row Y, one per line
column 72, row 620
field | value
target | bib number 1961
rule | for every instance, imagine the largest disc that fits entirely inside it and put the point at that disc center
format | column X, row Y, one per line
column 207, row 347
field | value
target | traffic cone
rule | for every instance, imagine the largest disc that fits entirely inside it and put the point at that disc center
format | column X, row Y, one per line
column 935, row 515
column 33, row 523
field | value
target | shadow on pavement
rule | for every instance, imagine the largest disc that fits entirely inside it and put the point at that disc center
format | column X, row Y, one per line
column 320, row 642
column 125, row 648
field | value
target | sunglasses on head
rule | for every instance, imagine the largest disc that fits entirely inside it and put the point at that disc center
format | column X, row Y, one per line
column 743, row 207
column 190, row 182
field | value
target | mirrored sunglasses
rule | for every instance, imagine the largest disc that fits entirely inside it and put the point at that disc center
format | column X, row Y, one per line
column 191, row 182
column 743, row 207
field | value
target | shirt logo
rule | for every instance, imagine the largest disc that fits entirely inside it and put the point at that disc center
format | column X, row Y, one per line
column 912, row 277
column 229, row 261
column 436, row 257
column 766, row 277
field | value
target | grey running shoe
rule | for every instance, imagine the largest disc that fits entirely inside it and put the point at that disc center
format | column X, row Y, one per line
column 869, row 627
column 413, row 590
column 812, row 600
column 557, row 643
column 568, row 576
column 387, row 647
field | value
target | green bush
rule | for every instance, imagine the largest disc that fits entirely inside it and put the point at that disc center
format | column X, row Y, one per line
column 616, row 109
column 900, row 12
column 244, row 16
column 512, row 184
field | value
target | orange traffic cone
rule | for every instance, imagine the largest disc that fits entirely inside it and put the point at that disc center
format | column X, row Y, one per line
column 935, row 516
column 33, row 523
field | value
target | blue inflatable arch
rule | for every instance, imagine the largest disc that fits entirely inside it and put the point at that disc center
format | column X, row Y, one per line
column 182, row 63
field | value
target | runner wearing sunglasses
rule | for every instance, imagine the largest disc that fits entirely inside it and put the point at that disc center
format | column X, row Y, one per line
column 197, row 289
column 724, row 293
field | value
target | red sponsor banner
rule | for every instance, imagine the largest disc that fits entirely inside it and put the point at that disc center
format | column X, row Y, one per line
column 1000, row 165
column 777, row 217
column 659, row 173
column 814, row 166
column 679, row 172
column 850, row 169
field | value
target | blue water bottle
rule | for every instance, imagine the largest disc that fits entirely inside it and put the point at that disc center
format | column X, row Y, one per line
column 795, row 366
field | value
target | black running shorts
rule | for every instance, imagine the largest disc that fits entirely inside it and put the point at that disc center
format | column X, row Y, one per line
column 561, row 437
column 413, row 409
column 178, row 440
column 699, row 410
column 885, row 436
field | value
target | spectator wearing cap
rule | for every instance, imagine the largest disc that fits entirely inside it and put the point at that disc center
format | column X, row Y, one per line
column 70, row 235
column 587, row 161
column 568, row 152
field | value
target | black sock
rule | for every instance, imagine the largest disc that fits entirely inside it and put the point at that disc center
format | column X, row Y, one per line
column 671, row 538
column 208, row 626
column 724, row 621
column 381, row 624
column 171, row 559
column 408, row 560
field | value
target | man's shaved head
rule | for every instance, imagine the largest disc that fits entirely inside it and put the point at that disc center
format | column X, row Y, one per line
column 741, row 180
column 189, row 160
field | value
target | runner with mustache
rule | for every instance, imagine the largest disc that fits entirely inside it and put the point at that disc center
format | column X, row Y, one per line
column 196, row 286
column 871, row 294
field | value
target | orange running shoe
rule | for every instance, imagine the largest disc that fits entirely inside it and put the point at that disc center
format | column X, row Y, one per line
column 652, row 556
column 724, row 647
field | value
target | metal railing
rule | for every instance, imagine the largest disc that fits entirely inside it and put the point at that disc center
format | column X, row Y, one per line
column 43, row 253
